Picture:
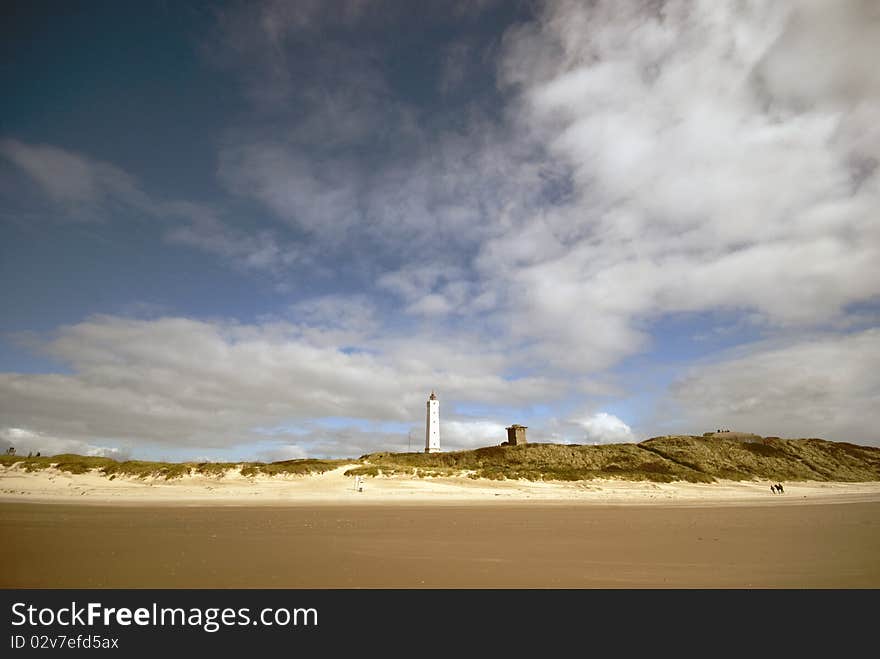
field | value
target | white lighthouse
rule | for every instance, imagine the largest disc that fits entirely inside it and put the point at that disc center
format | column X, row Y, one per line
column 432, row 425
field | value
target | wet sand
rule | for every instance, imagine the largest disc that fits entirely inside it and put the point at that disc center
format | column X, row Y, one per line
column 522, row 545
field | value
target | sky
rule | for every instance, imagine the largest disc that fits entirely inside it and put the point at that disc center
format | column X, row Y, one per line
column 268, row 230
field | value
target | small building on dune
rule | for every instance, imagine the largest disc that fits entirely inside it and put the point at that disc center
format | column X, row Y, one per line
column 516, row 435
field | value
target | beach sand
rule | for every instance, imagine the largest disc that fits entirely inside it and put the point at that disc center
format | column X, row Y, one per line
column 333, row 487
column 61, row 531
column 534, row 545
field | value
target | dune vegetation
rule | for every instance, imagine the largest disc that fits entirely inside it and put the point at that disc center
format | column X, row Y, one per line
column 660, row 459
column 81, row 464
column 688, row 458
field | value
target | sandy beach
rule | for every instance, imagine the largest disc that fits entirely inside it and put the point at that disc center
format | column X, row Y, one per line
column 334, row 488
column 512, row 545
column 62, row 531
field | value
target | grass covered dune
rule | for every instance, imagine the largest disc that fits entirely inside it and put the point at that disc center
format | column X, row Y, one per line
column 694, row 459
column 82, row 464
column 660, row 459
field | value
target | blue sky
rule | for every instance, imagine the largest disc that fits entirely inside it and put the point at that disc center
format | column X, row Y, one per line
column 265, row 230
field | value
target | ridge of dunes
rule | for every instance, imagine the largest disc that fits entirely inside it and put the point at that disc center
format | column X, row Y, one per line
column 728, row 456
column 705, row 459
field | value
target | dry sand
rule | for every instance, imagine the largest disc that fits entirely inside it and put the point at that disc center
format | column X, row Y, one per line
column 334, row 487
column 62, row 531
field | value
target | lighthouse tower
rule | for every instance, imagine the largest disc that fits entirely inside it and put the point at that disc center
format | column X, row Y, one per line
column 432, row 425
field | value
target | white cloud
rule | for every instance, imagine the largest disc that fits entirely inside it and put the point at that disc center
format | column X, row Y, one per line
column 824, row 387
column 468, row 434
column 825, row 55
column 90, row 190
column 700, row 177
column 85, row 187
column 652, row 164
column 430, row 305
column 321, row 199
column 246, row 250
column 348, row 322
column 201, row 384
column 281, row 452
column 342, row 311
column 604, row 428
column 27, row 441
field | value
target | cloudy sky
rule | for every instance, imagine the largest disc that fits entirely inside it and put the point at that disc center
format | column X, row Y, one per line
column 265, row 230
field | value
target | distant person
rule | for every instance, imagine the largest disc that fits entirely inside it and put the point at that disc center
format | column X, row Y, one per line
column 779, row 487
